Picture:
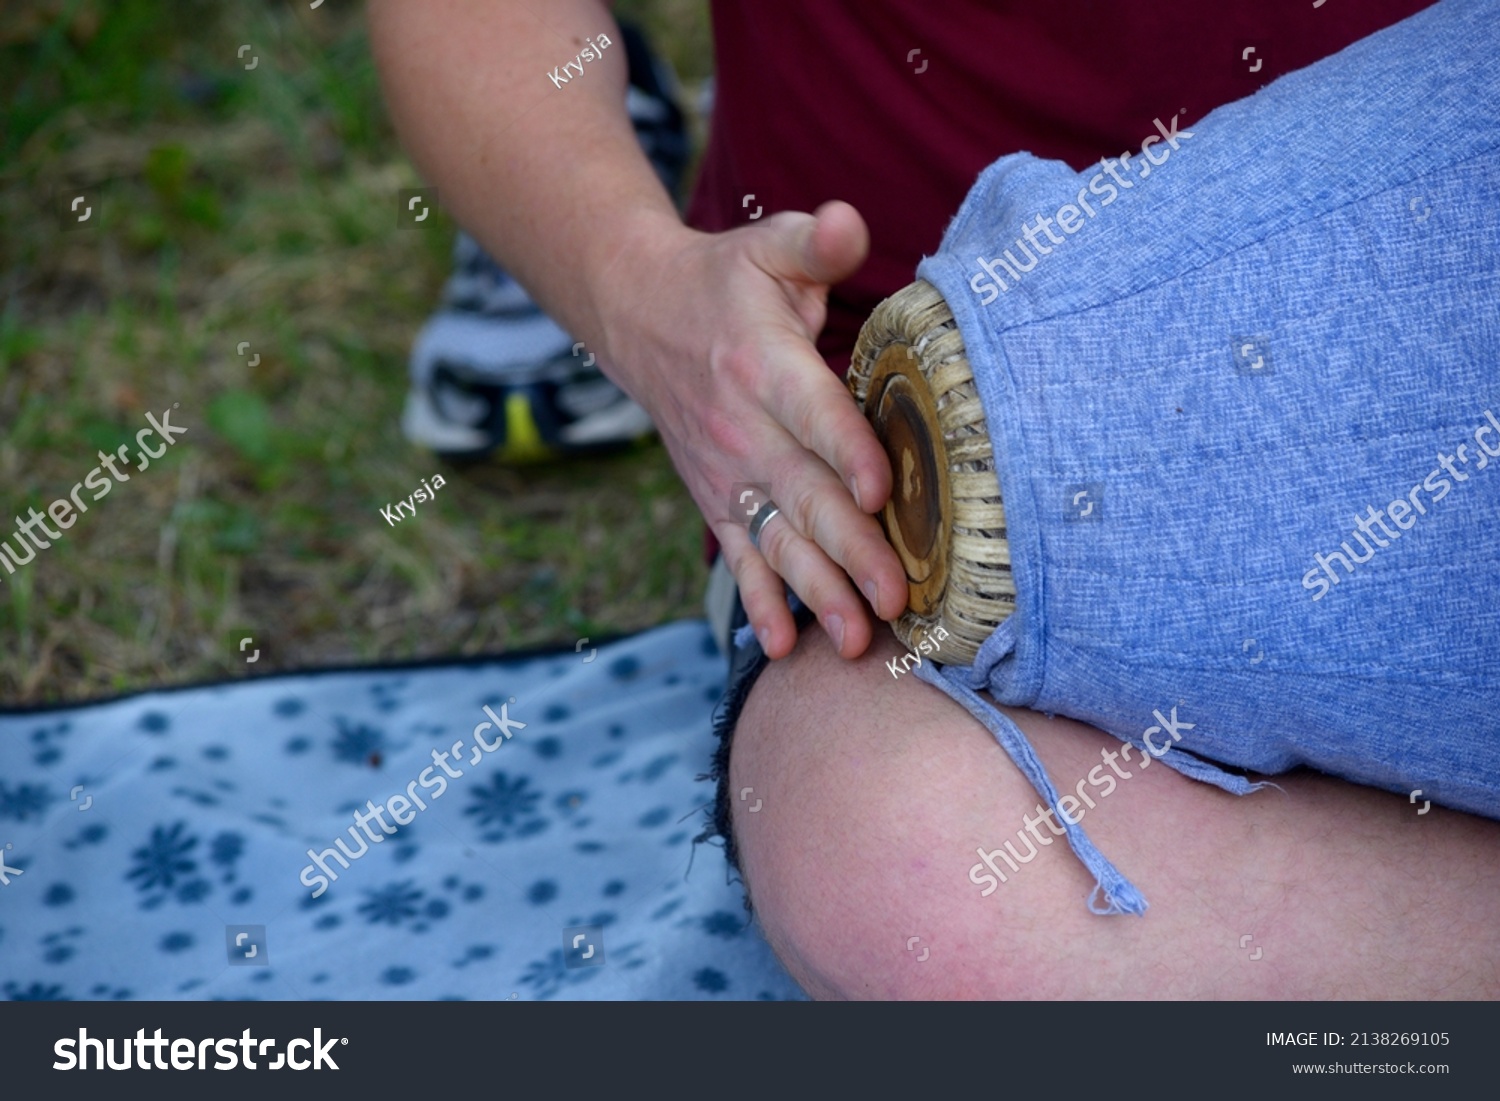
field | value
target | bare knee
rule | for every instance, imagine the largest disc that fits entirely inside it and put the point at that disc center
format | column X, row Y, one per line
column 856, row 882
column 876, row 792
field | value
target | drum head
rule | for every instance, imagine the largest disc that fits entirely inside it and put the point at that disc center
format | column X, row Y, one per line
column 904, row 415
column 945, row 518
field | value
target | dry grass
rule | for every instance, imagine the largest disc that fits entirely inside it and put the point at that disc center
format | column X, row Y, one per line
column 259, row 206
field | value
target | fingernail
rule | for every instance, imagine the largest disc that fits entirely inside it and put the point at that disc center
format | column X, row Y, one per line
column 836, row 631
column 764, row 635
column 872, row 593
column 854, row 489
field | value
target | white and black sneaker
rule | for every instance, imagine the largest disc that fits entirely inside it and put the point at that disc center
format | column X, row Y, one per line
column 491, row 374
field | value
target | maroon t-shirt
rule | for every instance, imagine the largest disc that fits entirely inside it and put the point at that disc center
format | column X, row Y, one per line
column 896, row 105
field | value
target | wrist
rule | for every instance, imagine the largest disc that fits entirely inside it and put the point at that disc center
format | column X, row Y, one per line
column 625, row 278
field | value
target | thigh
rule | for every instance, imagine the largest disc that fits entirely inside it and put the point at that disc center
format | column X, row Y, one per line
column 875, row 793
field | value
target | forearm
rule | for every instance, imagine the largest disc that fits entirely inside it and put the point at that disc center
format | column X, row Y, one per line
column 551, row 180
column 713, row 334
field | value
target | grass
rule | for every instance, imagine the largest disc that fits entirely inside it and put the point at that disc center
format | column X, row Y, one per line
column 258, row 207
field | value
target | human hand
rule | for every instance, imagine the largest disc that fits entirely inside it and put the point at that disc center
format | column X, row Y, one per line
column 714, row 335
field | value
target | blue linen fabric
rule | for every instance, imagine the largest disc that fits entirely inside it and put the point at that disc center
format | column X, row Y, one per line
column 1288, row 319
column 140, row 838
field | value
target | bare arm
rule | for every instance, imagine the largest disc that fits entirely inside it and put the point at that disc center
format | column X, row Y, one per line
column 712, row 334
column 550, row 178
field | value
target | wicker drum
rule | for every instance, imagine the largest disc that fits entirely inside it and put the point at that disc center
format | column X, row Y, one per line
column 910, row 376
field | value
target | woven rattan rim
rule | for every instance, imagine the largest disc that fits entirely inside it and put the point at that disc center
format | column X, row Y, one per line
column 964, row 583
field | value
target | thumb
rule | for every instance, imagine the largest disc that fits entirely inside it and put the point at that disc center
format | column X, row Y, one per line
column 825, row 247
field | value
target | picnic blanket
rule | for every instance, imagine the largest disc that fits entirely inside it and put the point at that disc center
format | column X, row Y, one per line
column 160, row 846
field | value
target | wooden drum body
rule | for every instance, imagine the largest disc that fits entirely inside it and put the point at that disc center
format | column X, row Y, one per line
column 945, row 519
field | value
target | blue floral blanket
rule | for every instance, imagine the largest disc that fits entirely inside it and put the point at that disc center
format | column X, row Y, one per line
column 505, row 829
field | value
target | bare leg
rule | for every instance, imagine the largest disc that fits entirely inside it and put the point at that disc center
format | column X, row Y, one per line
column 876, row 793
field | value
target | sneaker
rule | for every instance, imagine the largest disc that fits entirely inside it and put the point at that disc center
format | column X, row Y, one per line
column 561, row 407
column 494, row 376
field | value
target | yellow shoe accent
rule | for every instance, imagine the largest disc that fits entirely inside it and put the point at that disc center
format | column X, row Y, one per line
column 523, row 440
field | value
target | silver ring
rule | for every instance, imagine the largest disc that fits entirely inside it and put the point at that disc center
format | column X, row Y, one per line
column 761, row 518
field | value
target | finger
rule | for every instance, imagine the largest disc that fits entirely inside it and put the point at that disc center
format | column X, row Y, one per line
column 820, row 249
column 820, row 413
column 821, row 584
column 837, row 244
column 818, row 439
column 819, row 508
column 807, row 254
column 762, row 592
column 817, row 414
